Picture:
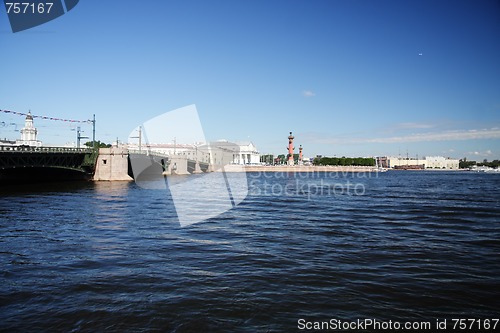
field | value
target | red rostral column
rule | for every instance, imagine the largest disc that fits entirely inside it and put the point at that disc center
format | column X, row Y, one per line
column 290, row 149
column 300, row 155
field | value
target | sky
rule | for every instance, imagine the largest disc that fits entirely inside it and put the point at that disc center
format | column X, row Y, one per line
column 348, row 78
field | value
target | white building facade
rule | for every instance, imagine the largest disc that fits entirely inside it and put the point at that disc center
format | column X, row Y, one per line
column 246, row 153
column 440, row 162
column 241, row 153
column 217, row 152
column 29, row 133
column 429, row 162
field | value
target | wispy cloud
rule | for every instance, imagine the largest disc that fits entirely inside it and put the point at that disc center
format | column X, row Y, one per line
column 481, row 153
column 414, row 126
column 308, row 93
column 398, row 127
column 457, row 135
column 441, row 136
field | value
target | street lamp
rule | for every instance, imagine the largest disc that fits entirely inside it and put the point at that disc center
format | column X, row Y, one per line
column 79, row 136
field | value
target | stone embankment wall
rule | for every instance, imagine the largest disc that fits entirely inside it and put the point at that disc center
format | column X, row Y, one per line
column 300, row 168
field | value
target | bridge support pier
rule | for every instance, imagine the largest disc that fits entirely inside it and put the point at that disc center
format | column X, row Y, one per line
column 112, row 164
column 197, row 168
column 178, row 166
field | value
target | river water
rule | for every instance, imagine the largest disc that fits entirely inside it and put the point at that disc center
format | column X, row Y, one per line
column 405, row 246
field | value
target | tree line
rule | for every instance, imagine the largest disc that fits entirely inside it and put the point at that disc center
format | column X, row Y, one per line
column 98, row 144
column 464, row 164
column 359, row 161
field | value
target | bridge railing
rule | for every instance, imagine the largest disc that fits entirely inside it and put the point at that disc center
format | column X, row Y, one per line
column 148, row 152
column 30, row 149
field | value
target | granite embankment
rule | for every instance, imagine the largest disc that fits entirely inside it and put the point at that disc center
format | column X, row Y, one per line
column 298, row 168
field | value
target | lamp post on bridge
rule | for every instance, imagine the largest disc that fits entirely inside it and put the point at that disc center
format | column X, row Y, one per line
column 93, row 132
column 139, row 137
column 78, row 137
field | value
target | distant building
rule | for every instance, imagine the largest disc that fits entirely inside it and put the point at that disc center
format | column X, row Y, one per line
column 5, row 142
column 382, row 162
column 29, row 133
column 439, row 162
column 429, row 162
column 242, row 152
column 218, row 152
column 393, row 162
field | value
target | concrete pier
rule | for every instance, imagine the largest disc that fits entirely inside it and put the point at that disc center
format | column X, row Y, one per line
column 178, row 166
column 112, row 165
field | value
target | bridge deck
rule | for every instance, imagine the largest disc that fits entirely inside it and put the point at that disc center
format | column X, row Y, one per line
column 25, row 161
column 29, row 149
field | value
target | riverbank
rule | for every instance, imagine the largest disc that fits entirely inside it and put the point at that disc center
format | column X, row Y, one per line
column 298, row 168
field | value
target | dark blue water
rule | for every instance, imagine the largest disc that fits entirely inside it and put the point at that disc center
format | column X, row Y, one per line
column 407, row 246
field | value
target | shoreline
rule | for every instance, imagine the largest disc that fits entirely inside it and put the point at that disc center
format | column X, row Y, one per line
column 317, row 168
column 297, row 168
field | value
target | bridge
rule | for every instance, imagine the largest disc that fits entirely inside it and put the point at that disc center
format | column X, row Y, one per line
column 146, row 164
column 30, row 162
column 27, row 164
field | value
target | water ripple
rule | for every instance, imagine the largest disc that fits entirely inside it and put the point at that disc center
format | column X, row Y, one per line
column 112, row 256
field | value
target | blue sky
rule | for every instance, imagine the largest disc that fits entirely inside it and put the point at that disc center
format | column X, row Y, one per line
column 345, row 76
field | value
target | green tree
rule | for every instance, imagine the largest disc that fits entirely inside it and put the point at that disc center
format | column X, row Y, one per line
column 281, row 159
column 464, row 164
column 344, row 161
column 98, row 144
column 267, row 159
